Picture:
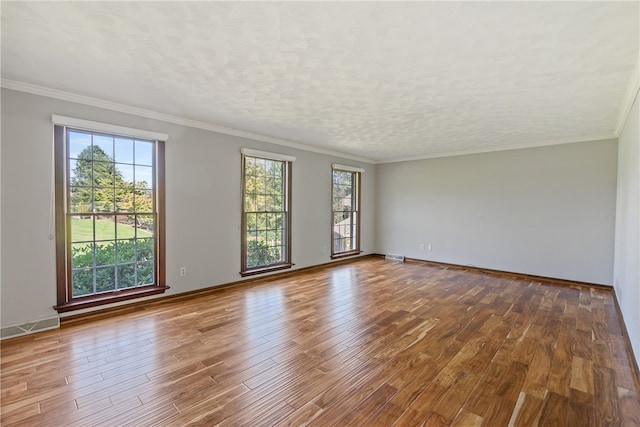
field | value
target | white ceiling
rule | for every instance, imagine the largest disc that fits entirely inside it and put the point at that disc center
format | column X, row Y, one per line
column 378, row 81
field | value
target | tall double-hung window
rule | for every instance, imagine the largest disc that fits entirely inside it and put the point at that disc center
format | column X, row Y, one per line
column 345, row 200
column 266, row 211
column 109, row 192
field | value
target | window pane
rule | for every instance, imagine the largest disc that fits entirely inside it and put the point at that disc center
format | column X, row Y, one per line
column 251, row 223
column 124, row 150
column 125, row 200
column 144, row 271
column 81, row 255
column 126, row 251
column 125, row 172
column 144, row 177
column 256, row 254
column 249, row 166
column 81, row 172
column 144, row 153
column 105, row 253
column 125, row 226
column 276, row 203
column 82, row 282
column 260, row 203
column 250, row 202
column 81, row 229
column 103, row 147
column 79, row 142
column 103, row 174
column 105, row 228
column 145, row 249
column 261, row 165
column 105, row 279
column 260, row 185
column 143, row 200
column 81, row 200
column 276, row 169
column 104, row 199
column 126, row 276
column 145, row 225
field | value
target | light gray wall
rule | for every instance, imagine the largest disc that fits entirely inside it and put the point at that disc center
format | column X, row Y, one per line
column 203, row 203
column 626, row 273
column 546, row 211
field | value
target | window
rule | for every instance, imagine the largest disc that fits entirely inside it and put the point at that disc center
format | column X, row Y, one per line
column 346, row 211
column 109, row 217
column 266, row 215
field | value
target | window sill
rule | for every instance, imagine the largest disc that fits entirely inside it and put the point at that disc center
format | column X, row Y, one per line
column 345, row 254
column 102, row 299
column 268, row 269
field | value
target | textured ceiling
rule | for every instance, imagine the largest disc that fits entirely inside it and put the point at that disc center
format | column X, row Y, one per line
column 380, row 81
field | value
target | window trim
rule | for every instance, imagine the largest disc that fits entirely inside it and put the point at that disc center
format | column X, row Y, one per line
column 64, row 298
column 107, row 128
column 288, row 163
column 358, row 178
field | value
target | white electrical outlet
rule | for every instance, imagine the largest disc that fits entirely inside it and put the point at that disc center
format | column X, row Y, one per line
column 183, row 271
column 422, row 246
column 429, row 247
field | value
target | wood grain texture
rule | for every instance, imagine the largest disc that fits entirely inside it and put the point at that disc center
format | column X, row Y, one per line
column 370, row 342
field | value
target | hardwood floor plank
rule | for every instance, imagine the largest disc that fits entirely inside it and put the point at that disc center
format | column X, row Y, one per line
column 487, row 388
column 499, row 411
column 554, row 412
column 527, row 411
column 629, row 404
column 602, row 354
column 19, row 414
column 560, row 375
column 422, row 405
column 264, row 394
column 582, row 375
column 539, row 368
column 168, row 389
column 104, row 417
column 367, row 342
column 451, row 402
column 467, row 419
column 369, row 406
column 580, row 409
column 605, row 396
column 301, row 416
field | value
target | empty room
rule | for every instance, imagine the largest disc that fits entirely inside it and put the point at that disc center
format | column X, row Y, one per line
column 320, row 213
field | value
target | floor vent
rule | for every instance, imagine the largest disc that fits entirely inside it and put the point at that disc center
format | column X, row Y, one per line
column 30, row 327
column 392, row 257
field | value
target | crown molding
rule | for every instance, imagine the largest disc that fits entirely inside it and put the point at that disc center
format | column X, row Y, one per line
column 590, row 138
column 169, row 118
column 630, row 96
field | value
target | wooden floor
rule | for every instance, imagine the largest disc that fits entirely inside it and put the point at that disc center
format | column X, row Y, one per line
column 365, row 343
